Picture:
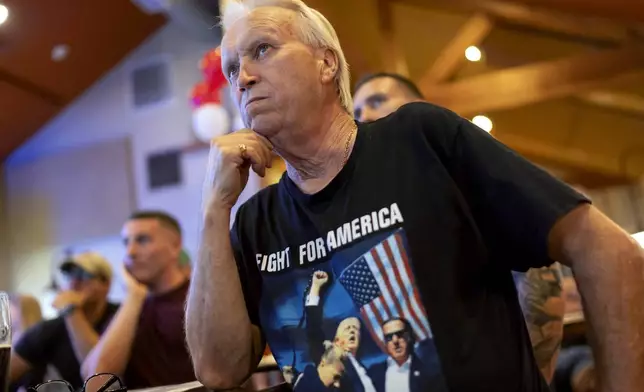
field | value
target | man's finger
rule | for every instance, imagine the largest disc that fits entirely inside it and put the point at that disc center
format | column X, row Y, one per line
column 257, row 160
column 262, row 151
column 264, row 141
column 260, row 170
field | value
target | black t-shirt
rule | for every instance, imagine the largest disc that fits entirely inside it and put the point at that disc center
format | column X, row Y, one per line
column 48, row 343
column 425, row 222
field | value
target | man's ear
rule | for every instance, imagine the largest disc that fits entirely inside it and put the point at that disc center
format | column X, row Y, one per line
column 330, row 65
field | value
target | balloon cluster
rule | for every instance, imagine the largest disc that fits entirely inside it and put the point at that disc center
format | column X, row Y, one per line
column 210, row 118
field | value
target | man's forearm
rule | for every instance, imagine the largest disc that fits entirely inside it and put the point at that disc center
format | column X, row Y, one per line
column 540, row 296
column 609, row 269
column 218, row 330
column 612, row 296
column 18, row 367
column 112, row 352
column 81, row 333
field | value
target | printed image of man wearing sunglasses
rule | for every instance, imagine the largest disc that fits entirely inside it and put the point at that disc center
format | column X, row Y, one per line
column 406, row 368
column 84, row 313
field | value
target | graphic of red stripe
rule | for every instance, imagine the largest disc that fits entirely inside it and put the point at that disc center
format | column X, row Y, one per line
column 381, row 269
column 369, row 324
column 399, row 280
column 405, row 260
column 380, row 318
column 379, row 266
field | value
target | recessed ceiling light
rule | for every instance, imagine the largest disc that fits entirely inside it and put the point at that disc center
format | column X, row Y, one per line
column 483, row 122
column 639, row 237
column 473, row 53
column 60, row 52
column 4, row 14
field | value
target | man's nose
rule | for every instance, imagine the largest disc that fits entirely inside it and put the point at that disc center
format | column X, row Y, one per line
column 246, row 79
column 131, row 251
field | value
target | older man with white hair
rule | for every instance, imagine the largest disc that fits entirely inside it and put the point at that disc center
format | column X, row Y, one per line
column 419, row 215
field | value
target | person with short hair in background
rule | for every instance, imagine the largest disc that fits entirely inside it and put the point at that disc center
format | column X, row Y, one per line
column 540, row 289
column 145, row 343
column 84, row 313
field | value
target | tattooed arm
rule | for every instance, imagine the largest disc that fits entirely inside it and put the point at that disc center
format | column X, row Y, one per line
column 540, row 296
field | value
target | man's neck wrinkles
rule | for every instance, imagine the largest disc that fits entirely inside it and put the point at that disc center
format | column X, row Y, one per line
column 321, row 156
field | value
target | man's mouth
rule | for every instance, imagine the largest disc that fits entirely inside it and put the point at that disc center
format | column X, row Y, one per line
column 254, row 99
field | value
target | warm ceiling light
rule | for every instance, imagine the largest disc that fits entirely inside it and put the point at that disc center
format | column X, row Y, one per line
column 473, row 53
column 639, row 237
column 59, row 52
column 4, row 14
column 483, row 122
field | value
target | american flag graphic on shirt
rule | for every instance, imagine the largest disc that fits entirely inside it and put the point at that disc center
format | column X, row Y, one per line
column 381, row 284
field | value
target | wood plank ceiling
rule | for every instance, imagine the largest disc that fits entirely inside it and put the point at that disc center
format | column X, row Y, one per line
column 34, row 87
column 562, row 80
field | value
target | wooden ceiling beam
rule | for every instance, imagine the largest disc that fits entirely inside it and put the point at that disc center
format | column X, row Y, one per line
column 592, row 28
column 619, row 10
column 630, row 103
column 358, row 65
column 393, row 57
column 568, row 158
column 524, row 85
column 31, row 88
column 449, row 61
column 608, row 99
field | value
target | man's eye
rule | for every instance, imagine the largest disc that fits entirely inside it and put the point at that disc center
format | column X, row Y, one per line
column 376, row 102
column 232, row 71
column 262, row 49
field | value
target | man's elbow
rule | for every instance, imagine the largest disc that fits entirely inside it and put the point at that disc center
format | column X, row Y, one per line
column 88, row 368
column 217, row 379
column 230, row 371
column 93, row 364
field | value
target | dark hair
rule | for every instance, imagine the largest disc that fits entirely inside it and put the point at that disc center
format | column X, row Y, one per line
column 406, row 327
column 405, row 82
column 163, row 218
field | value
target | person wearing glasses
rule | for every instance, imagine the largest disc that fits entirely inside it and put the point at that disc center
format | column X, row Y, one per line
column 84, row 313
column 145, row 343
column 404, row 369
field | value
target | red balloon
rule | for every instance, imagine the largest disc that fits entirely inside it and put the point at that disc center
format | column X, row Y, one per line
column 208, row 91
column 217, row 80
column 203, row 93
column 210, row 65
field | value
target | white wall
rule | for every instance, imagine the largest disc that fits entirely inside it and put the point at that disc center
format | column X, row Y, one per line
column 105, row 112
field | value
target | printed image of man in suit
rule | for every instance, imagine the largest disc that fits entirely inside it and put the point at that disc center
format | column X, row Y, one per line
column 350, row 375
column 404, row 370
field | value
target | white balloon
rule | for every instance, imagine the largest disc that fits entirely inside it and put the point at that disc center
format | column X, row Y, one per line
column 238, row 123
column 209, row 121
